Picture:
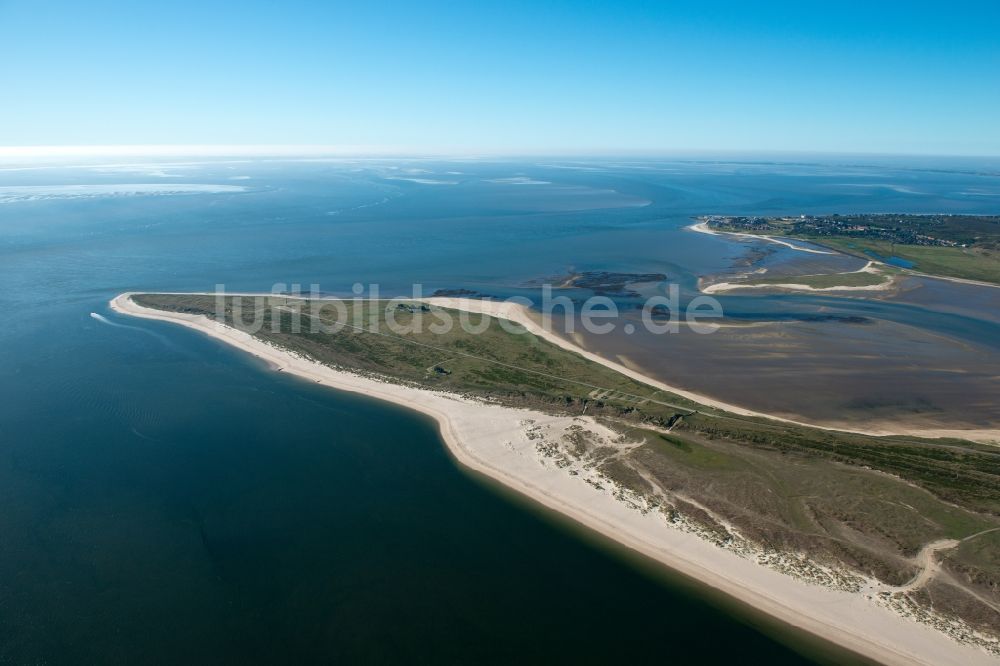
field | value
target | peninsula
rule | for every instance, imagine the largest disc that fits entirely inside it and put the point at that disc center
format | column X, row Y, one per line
column 959, row 247
column 883, row 544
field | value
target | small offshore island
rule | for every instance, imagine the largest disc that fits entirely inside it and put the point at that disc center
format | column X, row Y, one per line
column 963, row 248
column 884, row 543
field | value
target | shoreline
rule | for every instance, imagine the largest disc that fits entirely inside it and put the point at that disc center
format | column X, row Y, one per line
column 702, row 228
column 498, row 442
column 520, row 314
column 722, row 287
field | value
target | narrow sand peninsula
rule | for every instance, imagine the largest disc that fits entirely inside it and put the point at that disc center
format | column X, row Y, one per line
column 703, row 228
column 520, row 314
column 501, row 443
column 870, row 267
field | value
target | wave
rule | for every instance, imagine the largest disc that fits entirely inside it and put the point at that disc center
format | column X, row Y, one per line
column 104, row 320
column 518, row 180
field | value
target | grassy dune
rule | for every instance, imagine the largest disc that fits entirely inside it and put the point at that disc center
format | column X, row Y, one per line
column 868, row 503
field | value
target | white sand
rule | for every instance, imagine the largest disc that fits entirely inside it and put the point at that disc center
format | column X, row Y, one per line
column 870, row 267
column 520, row 314
column 721, row 287
column 495, row 441
column 703, row 228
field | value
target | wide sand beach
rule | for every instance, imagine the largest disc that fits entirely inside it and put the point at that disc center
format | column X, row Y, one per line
column 500, row 442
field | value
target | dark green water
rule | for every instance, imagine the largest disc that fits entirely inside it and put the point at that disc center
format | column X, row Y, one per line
column 164, row 499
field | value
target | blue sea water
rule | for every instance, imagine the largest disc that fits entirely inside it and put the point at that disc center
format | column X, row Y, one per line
column 166, row 499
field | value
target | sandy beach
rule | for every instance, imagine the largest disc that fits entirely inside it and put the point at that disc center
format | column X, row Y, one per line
column 501, row 443
column 703, row 228
column 522, row 315
column 870, row 267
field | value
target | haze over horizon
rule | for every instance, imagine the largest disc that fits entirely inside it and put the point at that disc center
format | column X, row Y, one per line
column 56, row 154
column 516, row 78
column 537, row 332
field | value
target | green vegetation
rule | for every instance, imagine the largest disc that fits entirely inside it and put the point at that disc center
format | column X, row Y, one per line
column 968, row 263
column 827, row 280
column 493, row 363
column 867, row 502
column 804, row 499
column 960, row 246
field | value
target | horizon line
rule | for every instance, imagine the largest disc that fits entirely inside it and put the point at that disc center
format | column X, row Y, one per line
column 380, row 151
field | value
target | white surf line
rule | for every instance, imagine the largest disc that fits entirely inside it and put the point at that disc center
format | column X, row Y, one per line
column 703, row 228
column 104, row 320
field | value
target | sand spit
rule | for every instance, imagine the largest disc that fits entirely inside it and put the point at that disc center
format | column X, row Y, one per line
column 522, row 315
column 703, row 228
column 507, row 444
column 870, row 267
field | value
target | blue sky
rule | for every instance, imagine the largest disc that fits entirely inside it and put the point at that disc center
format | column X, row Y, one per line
column 506, row 77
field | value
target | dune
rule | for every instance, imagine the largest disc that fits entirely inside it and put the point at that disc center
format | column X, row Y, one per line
column 502, row 443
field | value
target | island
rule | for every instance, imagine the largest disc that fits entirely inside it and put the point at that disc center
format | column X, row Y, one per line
column 960, row 247
column 884, row 543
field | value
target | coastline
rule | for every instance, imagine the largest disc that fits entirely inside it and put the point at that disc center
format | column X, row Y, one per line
column 702, row 228
column 498, row 442
column 722, row 287
column 520, row 314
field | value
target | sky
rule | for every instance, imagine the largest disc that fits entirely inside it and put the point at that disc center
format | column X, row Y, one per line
column 584, row 77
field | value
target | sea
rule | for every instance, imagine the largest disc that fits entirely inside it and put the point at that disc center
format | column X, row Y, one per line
column 166, row 499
